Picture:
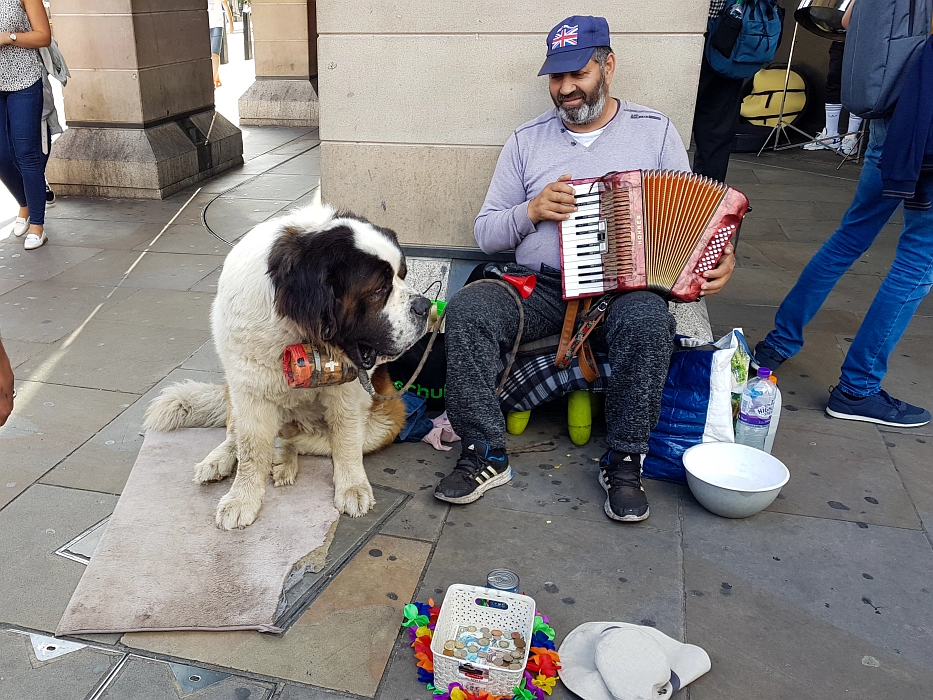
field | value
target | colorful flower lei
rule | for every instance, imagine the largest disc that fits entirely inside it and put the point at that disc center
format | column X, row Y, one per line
column 540, row 674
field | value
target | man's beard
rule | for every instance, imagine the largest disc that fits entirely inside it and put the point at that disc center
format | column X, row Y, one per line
column 589, row 111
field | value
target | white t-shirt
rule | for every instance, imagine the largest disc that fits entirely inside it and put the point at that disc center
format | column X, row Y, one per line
column 587, row 138
column 215, row 13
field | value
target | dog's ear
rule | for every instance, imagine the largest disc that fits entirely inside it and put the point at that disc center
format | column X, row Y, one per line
column 304, row 292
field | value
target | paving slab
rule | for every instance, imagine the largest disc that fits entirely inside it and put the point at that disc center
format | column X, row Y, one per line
column 71, row 675
column 233, row 215
column 760, row 228
column 306, row 165
column 41, row 264
column 48, row 423
column 913, row 459
column 304, row 692
column 119, row 210
column 341, row 642
column 576, row 570
column 804, row 607
column 7, row 285
column 91, row 233
column 104, row 462
column 168, row 308
column 204, row 359
column 190, row 238
column 47, row 311
column 805, row 210
column 285, row 186
column 794, row 255
column 840, row 470
column 151, row 270
column 19, row 351
column 150, row 353
column 749, row 256
column 38, row 587
column 421, row 518
column 209, row 283
column 822, row 190
column 148, row 679
column 262, row 163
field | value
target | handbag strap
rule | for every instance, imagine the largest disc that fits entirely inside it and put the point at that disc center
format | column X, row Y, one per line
column 591, row 316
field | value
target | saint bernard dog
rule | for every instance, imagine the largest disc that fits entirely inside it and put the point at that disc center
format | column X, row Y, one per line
column 316, row 276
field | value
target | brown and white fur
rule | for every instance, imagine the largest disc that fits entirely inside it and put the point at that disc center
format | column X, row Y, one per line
column 337, row 282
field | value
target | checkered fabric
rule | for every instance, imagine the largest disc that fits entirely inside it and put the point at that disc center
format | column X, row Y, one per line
column 535, row 380
column 716, row 7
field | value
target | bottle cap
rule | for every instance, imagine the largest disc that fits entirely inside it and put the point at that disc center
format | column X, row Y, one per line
column 773, row 378
column 764, row 372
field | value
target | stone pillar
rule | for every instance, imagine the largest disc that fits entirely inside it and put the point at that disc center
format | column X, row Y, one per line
column 140, row 100
column 418, row 97
column 285, row 48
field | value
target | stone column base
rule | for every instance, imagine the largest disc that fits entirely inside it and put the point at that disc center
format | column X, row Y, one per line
column 151, row 163
column 279, row 102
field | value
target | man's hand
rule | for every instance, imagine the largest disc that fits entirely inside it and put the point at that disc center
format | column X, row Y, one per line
column 6, row 386
column 555, row 202
column 717, row 277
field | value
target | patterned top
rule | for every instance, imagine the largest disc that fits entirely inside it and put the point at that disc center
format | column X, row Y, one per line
column 19, row 67
column 716, row 7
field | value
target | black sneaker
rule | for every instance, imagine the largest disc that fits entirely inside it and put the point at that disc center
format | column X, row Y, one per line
column 620, row 475
column 49, row 197
column 478, row 470
column 766, row 356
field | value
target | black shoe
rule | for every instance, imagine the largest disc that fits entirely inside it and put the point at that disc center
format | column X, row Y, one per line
column 49, row 196
column 766, row 356
column 478, row 470
column 620, row 475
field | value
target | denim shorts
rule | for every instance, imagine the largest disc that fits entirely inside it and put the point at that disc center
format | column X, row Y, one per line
column 217, row 38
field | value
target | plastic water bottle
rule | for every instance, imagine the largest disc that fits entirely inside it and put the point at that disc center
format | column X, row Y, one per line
column 755, row 411
column 736, row 10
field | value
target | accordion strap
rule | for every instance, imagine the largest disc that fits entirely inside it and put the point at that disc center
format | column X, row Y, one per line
column 573, row 342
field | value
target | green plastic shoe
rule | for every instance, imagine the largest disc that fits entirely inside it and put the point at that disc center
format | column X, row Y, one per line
column 579, row 417
column 517, row 421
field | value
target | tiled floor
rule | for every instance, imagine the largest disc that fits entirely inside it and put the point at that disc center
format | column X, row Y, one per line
column 827, row 594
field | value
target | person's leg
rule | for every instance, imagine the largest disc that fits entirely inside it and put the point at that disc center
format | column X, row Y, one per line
column 860, row 225
column 10, row 175
column 24, row 109
column 639, row 332
column 481, row 323
column 714, row 122
column 216, row 41
column 904, row 287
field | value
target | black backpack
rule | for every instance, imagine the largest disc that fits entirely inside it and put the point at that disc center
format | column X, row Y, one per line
column 882, row 42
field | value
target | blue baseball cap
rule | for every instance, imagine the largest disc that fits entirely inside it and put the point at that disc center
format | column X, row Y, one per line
column 570, row 45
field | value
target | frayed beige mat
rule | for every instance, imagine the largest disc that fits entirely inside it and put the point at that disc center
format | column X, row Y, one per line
column 162, row 564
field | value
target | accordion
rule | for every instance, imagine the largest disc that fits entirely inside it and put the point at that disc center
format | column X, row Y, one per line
column 646, row 229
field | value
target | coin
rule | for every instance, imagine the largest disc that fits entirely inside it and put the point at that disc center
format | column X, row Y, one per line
column 481, row 654
column 516, row 635
column 515, row 667
column 484, row 631
column 448, row 652
column 497, row 662
column 504, row 644
column 496, row 633
column 472, row 648
column 471, row 628
column 450, row 645
column 507, row 657
column 460, row 653
column 460, row 645
column 520, row 643
column 483, row 642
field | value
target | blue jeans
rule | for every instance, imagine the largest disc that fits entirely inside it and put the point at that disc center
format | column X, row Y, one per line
column 22, row 162
column 907, row 282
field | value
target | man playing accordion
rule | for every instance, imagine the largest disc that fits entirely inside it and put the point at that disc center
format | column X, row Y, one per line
column 587, row 134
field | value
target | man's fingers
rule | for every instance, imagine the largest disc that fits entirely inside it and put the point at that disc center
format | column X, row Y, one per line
column 565, row 177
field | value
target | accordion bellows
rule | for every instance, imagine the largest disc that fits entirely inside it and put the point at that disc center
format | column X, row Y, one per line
column 658, row 230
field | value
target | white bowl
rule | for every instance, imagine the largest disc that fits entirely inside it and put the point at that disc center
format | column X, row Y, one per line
column 734, row 481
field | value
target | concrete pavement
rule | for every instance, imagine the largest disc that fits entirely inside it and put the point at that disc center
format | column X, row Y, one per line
column 827, row 594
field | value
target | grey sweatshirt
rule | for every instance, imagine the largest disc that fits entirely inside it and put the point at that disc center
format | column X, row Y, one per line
column 540, row 151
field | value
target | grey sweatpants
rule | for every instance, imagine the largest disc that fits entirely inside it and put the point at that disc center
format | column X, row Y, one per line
column 481, row 323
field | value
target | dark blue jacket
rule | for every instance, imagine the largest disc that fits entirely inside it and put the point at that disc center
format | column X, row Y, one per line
column 907, row 155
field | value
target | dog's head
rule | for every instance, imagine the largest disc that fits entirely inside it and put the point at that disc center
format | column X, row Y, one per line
column 341, row 279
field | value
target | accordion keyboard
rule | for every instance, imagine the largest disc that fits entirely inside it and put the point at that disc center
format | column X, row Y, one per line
column 585, row 242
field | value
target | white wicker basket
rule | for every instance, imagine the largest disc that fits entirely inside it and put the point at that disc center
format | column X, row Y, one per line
column 462, row 606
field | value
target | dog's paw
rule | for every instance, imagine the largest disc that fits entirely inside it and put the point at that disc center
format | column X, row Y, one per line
column 285, row 466
column 234, row 512
column 355, row 500
column 218, row 465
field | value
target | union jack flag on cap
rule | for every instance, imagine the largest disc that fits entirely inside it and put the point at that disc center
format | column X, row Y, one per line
column 571, row 43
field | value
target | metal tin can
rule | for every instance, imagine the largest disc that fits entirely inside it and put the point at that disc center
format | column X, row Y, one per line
column 502, row 580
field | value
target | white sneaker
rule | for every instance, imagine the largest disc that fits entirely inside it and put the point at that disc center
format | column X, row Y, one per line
column 817, row 145
column 849, row 145
column 20, row 226
column 33, row 241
